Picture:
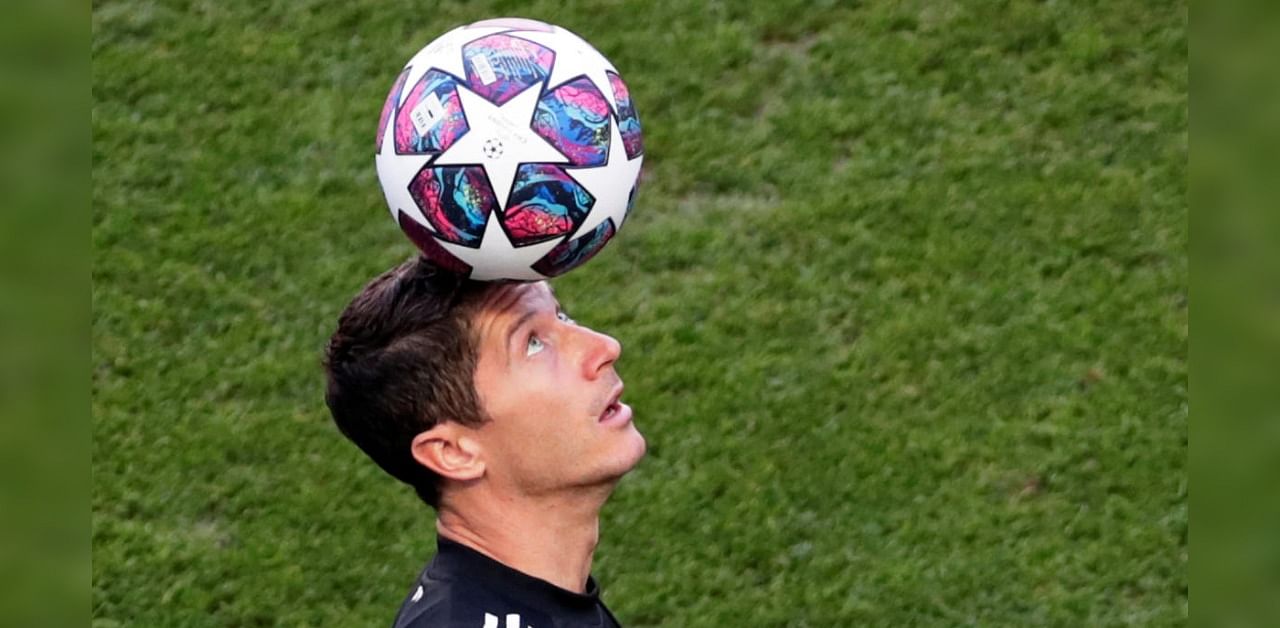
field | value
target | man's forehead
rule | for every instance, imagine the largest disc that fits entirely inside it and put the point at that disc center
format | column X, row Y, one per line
column 508, row 300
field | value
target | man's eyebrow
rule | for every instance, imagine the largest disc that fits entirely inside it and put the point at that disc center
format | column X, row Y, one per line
column 511, row 331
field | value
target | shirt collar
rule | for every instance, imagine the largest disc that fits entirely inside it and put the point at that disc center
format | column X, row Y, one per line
column 458, row 562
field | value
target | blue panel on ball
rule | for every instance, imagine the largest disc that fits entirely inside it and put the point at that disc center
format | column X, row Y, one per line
column 422, row 238
column 575, row 119
column 546, row 203
column 456, row 201
column 628, row 121
column 573, row 253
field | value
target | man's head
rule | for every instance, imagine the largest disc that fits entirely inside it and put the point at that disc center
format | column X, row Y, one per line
column 447, row 383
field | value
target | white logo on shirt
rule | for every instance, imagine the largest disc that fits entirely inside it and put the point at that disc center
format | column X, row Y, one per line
column 513, row 620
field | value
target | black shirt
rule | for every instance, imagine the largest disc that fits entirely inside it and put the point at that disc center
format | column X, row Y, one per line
column 462, row 588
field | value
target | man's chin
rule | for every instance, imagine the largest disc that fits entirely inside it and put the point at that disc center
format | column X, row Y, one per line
column 638, row 447
column 625, row 458
column 622, row 459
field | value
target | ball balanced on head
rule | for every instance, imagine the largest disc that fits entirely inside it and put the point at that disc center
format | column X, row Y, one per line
column 509, row 149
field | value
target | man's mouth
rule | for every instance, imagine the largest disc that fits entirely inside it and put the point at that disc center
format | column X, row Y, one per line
column 615, row 406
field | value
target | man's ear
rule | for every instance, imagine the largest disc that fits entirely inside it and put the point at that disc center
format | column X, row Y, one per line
column 450, row 451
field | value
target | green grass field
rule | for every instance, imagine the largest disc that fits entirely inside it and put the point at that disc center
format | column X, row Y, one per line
column 903, row 301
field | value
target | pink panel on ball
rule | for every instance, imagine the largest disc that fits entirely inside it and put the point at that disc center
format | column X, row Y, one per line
column 546, row 203
column 628, row 120
column 501, row 66
column 389, row 107
column 440, row 119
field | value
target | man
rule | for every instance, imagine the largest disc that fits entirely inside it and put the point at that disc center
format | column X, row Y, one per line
column 506, row 417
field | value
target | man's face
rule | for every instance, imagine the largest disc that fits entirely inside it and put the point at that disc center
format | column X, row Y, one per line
column 552, row 394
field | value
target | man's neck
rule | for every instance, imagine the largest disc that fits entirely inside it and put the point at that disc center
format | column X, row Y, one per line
column 552, row 538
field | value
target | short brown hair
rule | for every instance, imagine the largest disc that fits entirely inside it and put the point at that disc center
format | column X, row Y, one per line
column 402, row 360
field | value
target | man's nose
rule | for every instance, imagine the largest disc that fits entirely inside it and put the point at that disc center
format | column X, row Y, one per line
column 602, row 350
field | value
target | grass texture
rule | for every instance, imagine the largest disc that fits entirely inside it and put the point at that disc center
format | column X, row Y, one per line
column 903, row 302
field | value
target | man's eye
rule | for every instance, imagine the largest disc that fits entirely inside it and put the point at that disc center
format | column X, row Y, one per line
column 564, row 317
column 534, row 346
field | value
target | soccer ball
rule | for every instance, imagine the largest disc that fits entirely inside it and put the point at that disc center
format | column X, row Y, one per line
column 509, row 149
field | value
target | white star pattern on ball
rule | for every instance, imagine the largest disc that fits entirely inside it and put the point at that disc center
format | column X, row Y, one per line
column 511, row 122
column 602, row 183
column 497, row 256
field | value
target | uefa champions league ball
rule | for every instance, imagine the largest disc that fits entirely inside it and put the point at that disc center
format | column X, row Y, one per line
column 509, row 149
